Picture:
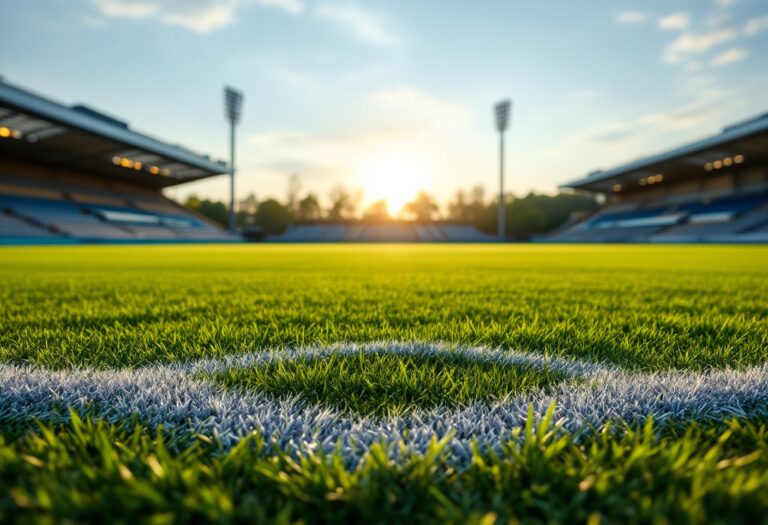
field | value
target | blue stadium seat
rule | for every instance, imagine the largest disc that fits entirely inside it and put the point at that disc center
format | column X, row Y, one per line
column 98, row 222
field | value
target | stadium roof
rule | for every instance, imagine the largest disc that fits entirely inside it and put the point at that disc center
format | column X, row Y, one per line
column 745, row 141
column 83, row 139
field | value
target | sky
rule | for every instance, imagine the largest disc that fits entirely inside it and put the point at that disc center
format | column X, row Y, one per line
column 392, row 97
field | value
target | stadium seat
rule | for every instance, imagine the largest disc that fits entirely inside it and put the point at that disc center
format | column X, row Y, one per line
column 382, row 232
column 723, row 219
column 63, row 216
column 97, row 221
column 14, row 228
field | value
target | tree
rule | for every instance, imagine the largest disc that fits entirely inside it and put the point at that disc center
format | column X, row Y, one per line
column 343, row 203
column 378, row 211
column 294, row 187
column 476, row 207
column 214, row 210
column 458, row 208
column 524, row 220
column 525, row 217
column 423, row 207
column 536, row 214
column 309, row 208
column 273, row 216
column 249, row 204
column 246, row 209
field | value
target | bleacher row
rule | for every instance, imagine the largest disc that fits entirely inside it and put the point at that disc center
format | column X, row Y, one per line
column 731, row 218
column 396, row 232
column 80, row 210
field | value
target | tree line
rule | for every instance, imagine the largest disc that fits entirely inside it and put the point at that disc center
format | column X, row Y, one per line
column 526, row 216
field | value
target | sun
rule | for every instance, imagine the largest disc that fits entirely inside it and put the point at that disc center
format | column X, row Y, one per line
column 395, row 176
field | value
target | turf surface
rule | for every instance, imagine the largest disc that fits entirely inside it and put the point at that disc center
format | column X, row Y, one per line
column 385, row 384
column 97, row 473
column 642, row 308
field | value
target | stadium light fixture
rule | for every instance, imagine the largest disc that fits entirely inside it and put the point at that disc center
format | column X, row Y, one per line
column 6, row 133
column 233, row 103
column 502, row 110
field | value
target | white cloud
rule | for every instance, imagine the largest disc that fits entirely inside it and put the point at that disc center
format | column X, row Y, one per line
column 675, row 22
column 290, row 6
column 608, row 133
column 396, row 113
column 688, row 44
column 631, row 17
column 729, row 56
column 125, row 8
column 416, row 110
column 401, row 120
column 708, row 105
column 756, row 25
column 704, row 106
column 688, row 117
column 637, row 129
column 202, row 16
column 725, row 3
column 367, row 26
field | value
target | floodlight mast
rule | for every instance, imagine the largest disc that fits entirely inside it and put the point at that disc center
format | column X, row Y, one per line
column 502, row 110
column 233, row 102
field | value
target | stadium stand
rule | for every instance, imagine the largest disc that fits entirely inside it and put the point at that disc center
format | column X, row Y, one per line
column 395, row 231
column 713, row 190
column 72, row 174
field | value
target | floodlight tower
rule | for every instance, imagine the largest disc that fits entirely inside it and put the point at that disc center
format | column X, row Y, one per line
column 502, row 109
column 233, row 102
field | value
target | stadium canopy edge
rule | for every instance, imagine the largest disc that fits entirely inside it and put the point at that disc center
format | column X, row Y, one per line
column 47, row 130
column 748, row 138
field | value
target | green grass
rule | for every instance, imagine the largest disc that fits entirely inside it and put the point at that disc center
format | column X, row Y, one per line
column 640, row 307
column 643, row 307
column 385, row 384
column 94, row 472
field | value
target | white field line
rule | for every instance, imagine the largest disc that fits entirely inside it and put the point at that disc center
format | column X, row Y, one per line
column 176, row 396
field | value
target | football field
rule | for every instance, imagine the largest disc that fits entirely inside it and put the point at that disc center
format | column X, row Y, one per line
column 381, row 383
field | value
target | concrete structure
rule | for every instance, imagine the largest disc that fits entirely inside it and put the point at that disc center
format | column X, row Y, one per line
column 71, row 174
column 390, row 231
column 712, row 190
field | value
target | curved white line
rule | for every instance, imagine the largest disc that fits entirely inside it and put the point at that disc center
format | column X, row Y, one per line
column 175, row 396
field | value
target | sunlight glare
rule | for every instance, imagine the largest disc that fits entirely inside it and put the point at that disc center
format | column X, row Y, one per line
column 396, row 176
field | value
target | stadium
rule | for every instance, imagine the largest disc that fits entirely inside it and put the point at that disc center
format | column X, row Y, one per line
column 389, row 231
column 712, row 190
column 300, row 357
column 73, row 174
column 76, row 175
column 320, row 371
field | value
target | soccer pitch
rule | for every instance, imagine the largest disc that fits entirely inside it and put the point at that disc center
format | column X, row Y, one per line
column 356, row 383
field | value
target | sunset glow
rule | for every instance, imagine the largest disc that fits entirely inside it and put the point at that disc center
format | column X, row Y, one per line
column 396, row 176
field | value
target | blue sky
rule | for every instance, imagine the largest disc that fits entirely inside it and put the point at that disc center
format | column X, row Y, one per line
column 388, row 97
